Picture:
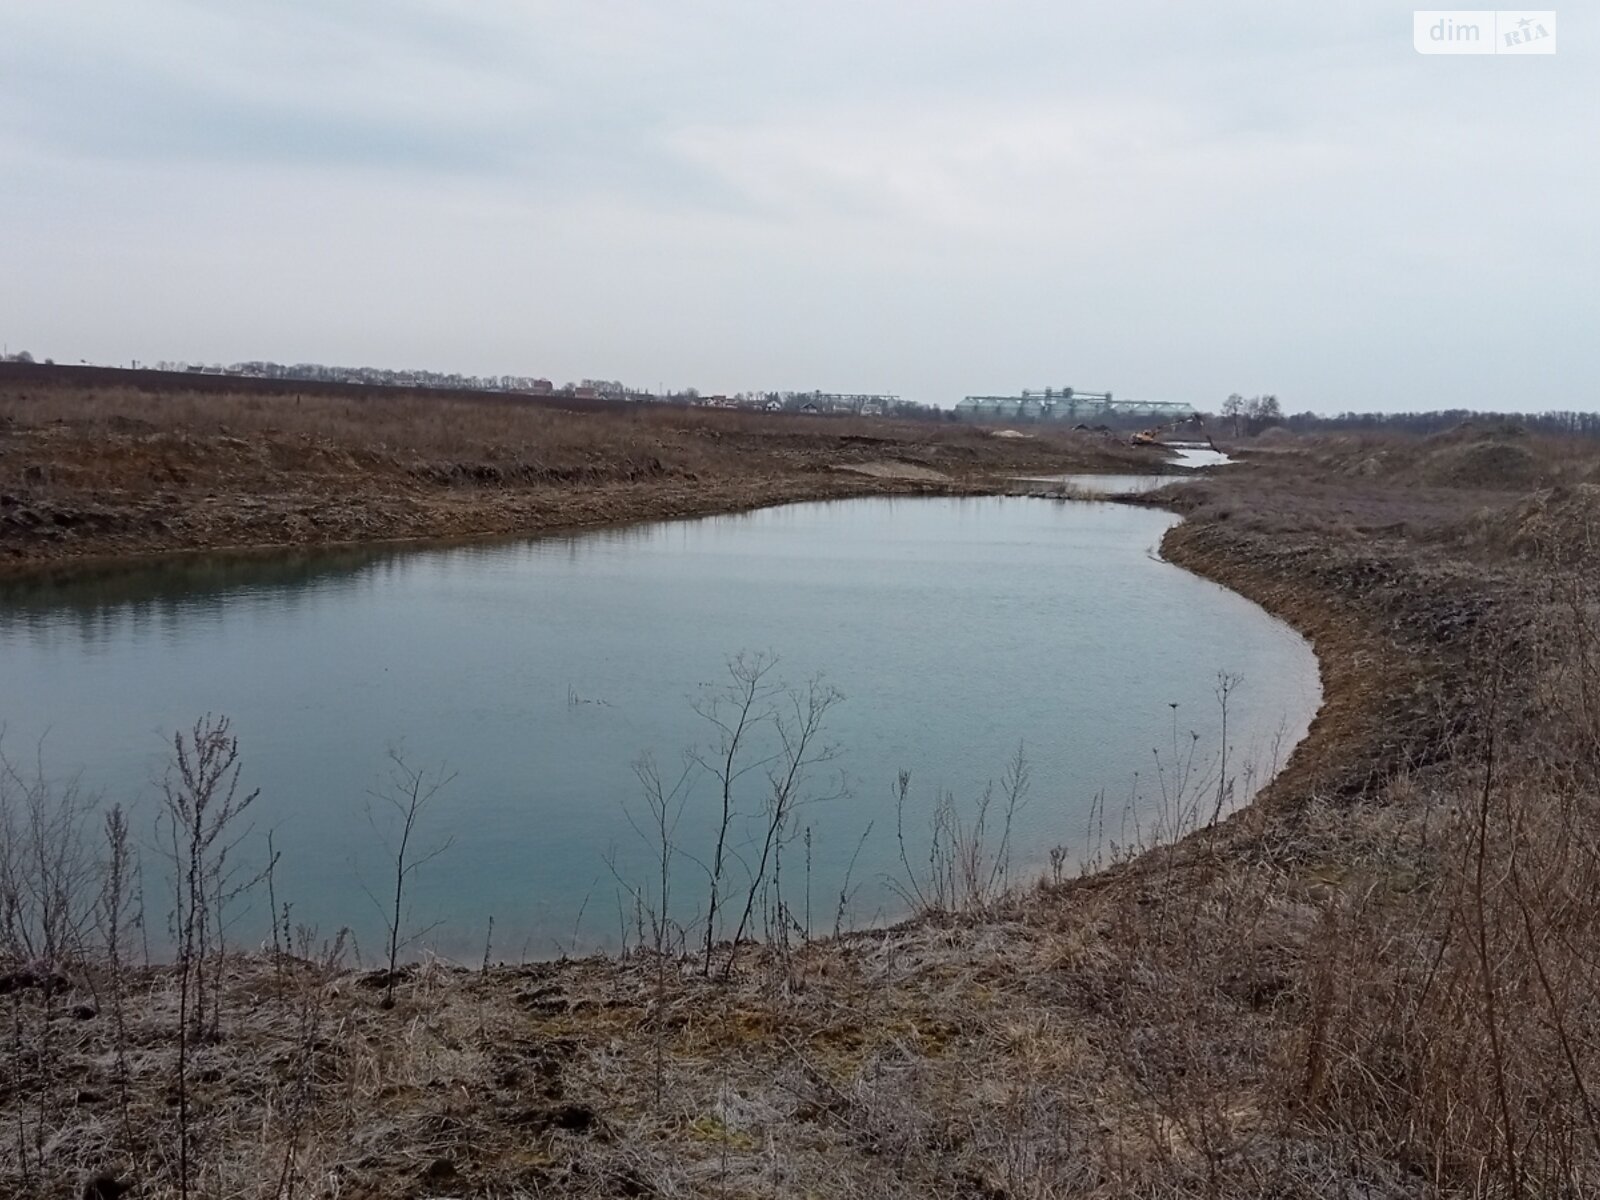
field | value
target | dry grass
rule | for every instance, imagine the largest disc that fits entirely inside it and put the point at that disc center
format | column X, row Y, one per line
column 113, row 471
column 1184, row 1028
column 1475, row 456
column 472, row 428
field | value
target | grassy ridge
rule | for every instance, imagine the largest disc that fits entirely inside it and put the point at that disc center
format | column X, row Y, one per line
column 114, row 471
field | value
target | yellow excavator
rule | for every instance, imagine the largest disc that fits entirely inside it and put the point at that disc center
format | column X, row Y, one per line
column 1153, row 435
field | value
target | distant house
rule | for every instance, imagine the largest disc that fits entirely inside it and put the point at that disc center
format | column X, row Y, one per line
column 585, row 393
column 542, row 387
column 772, row 406
column 809, row 407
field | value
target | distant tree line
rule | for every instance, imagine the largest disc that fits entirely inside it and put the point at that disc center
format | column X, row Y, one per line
column 1558, row 423
column 1567, row 423
column 1253, row 415
column 1249, row 417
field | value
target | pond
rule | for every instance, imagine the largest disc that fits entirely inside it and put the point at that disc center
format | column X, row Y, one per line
column 537, row 672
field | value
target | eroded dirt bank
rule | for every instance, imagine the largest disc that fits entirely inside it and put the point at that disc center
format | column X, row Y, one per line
column 108, row 473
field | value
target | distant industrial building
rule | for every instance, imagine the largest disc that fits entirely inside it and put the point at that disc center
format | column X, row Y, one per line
column 1066, row 404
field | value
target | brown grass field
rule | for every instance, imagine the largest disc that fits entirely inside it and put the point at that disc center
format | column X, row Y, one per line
column 1380, row 980
column 113, row 471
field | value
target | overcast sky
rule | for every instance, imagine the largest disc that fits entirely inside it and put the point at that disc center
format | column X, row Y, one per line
column 1173, row 201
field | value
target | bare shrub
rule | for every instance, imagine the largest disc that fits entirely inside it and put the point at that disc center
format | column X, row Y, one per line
column 48, row 884
column 114, row 916
column 48, row 876
column 969, row 857
column 769, row 740
column 799, row 724
column 404, row 797
column 658, row 828
column 736, row 712
column 201, row 809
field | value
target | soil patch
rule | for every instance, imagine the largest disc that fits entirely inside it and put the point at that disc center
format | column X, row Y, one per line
column 897, row 470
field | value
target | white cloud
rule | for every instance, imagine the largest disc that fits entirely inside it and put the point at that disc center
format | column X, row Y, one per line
column 931, row 198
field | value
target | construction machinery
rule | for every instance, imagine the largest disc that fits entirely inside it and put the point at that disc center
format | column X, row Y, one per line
column 1152, row 436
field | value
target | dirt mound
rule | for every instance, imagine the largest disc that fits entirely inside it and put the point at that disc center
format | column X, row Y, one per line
column 1477, row 431
column 1276, row 435
column 1561, row 525
column 1485, row 462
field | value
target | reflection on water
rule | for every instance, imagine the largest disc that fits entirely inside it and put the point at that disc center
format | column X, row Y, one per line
column 1108, row 485
column 160, row 594
column 539, row 670
column 1189, row 456
column 1194, row 455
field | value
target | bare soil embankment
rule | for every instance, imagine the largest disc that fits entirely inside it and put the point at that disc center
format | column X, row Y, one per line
column 88, row 472
column 1337, row 991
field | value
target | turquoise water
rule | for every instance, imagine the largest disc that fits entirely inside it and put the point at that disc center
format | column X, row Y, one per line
column 538, row 671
